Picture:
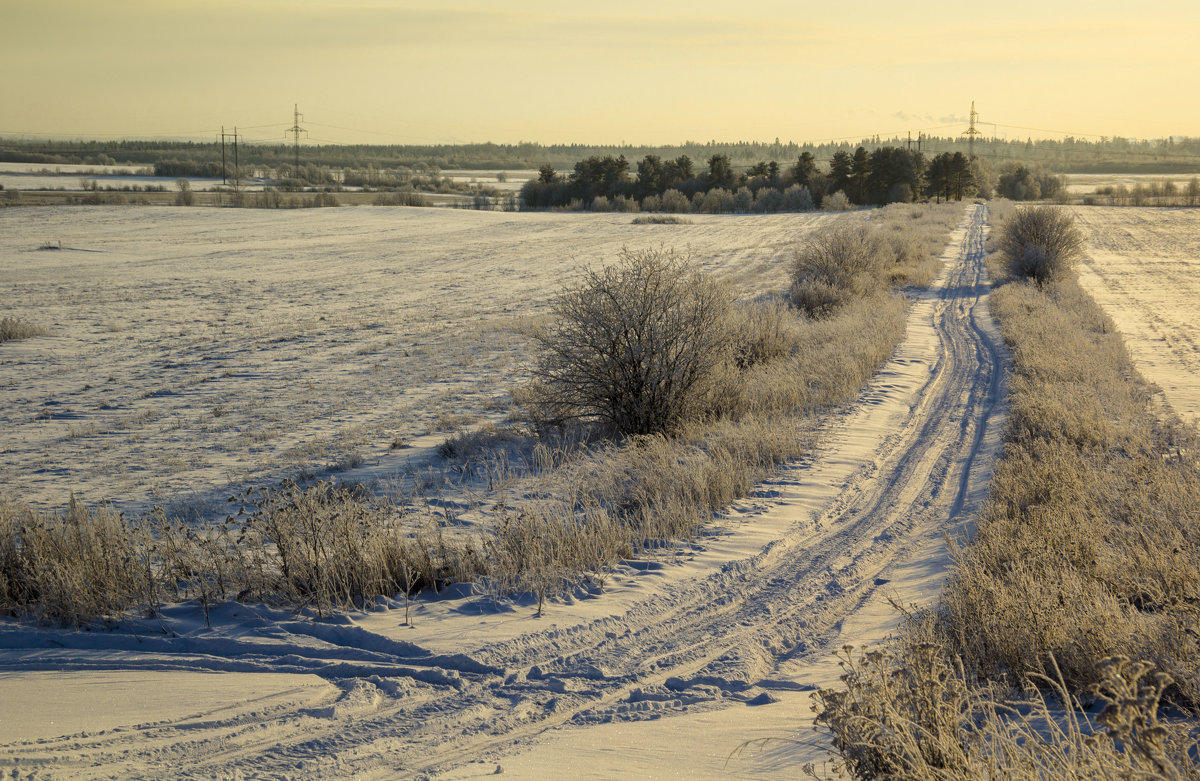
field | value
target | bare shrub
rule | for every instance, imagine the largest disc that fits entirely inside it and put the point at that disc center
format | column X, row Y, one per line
column 797, row 198
column 621, row 203
column 716, row 201
column 837, row 202
column 633, row 347
column 12, row 328
column 1041, row 242
column 675, row 202
column 743, row 201
column 835, row 267
column 185, row 196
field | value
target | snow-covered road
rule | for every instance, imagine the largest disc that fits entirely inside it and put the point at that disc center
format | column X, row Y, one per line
column 665, row 673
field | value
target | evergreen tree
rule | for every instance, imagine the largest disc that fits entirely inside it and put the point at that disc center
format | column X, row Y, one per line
column 720, row 172
column 860, row 172
column 806, row 166
column 840, row 167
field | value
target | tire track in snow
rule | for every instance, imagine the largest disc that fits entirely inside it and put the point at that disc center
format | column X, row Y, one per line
column 703, row 643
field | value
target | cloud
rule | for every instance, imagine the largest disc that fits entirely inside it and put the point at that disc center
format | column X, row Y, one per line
column 904, row 116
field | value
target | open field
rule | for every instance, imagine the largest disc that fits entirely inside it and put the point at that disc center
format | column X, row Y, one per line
column 1084, row 184
column 727, row 634
column 194, row 351
column 1143, row 268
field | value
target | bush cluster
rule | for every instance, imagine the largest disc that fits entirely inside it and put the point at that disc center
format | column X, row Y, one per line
column 1041, row 242
column 835, row 267
column 1161, row 193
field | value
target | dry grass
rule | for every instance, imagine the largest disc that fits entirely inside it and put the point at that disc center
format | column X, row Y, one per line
column 12, row 328
column 1087, row 556
column 915, row 236
column 898, row 246
column 71, row 567
column 324, row 546
column 912, row 711
column 1089, row 545
column 661, row 219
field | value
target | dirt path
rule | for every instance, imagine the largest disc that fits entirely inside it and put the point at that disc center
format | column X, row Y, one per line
column 835, row 539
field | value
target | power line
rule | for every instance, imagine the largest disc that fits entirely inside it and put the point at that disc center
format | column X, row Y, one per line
column 1058, row 132
column 371, row 132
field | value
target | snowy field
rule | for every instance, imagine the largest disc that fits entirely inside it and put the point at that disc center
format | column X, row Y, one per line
column 40, row 176
column 1085, row 184
column 665, row 671
column 71, row 178
column 352, row 328
column 1143, row 267
column 193, row 352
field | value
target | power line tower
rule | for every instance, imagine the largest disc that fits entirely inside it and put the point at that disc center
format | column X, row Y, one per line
column 972, row 131
column 295, row 130
column 234, row 136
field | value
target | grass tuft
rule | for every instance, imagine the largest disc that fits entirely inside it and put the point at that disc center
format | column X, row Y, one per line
column 13, row 328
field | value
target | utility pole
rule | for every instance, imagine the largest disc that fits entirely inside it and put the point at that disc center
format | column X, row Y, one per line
column 972, row 131
column 295, row 131
column 223, row 155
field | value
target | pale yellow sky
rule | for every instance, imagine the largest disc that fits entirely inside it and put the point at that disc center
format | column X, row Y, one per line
column 395, row 71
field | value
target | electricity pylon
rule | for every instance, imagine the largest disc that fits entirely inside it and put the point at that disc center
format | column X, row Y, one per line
column 972, row 131
column 296, row 130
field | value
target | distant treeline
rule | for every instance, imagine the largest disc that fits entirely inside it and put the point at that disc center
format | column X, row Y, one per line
column 1069, row 155
column 882, row 176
